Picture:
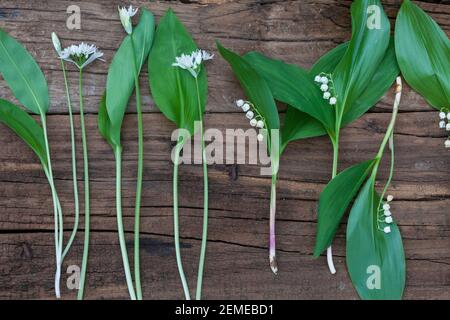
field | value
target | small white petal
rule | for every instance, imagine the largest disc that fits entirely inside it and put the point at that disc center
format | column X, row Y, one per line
column 442, row 124
column 249, row 115
column 240, row 103
column 387, row 229
column 245, row 107
column 390, row 198
column 388, row 219
column 324, row 87
column 333, row 100
column 442, row 115
column 326, row 95
column 253, row 122
column 260, row 124
column 260, row 137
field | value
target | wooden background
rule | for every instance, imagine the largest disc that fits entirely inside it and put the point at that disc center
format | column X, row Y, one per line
column 237, row 256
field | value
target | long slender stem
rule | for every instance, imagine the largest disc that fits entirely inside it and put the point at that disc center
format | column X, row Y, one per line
column 120, row 230
column 273, row 206
column 74, row 166
column 137, row 207
column 335, row 143
column 176, row 228
column 86, row 193
column 57, row 212
column 201, row 263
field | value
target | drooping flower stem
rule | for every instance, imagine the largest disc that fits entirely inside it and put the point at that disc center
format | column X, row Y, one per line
column 201, row 263
column 137, row 208
column 120, row 230
column 86, row 192
column 57, row 210
column 176, row 228
column 273, row 208
column 74, row 166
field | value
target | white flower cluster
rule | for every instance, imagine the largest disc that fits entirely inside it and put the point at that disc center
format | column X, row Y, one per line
column 252, row 114
column 387, row 215
column 444, row 123
column 81, row 55
column 193, row 61
column 327, row 87
column 125, row 17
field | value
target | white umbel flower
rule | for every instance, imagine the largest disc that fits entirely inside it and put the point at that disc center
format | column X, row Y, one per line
column 81, row 55
column 240, row 103
column 125, row 17
column 250, row 115
column 324, row 87
column 333, row 100
column 326, row 95
column 387, row 229
column 253, row 122
column 442, row 115
column 260, row 124
column 447, row 143
column 442, row 124
column 192, row 62
column 388, row 219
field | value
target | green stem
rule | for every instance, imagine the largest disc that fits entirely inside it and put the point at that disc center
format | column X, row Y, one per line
column 123, row 245
column 86, row 193
column 137, row 207
column 201, row 263
column 176, row 228
column 74, row 166
column 57, row 211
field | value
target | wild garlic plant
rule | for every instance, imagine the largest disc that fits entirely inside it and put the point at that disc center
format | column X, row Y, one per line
column 423, row 55
column 340, row 87
column 28, row 85
column 123, row 77
column 80, row 55
column 178, row 84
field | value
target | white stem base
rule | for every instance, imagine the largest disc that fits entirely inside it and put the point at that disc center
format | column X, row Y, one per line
column 330, row 260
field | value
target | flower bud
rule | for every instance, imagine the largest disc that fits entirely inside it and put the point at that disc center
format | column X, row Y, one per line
column 240, row 103
column 333, row 100
column 56, row 42
column 245, row 107
column 253, row 122
column 324, row 87
column 387, row 229
column 260, row 124
column 388, row 219
column 249, row 115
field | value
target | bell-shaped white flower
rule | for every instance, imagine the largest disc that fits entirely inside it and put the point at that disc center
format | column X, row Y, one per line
column 387, row 229
column 240, row 103
column 250, row 115
column 260, row 137
column 442, row 124
column 245, row 107
column 390, row 198
column 388, row 219
column 326, row 95
column 125, row 17
column 447, row 126
column 442, row 115
column 387, row 213
column 317, row 78
column 333, row 100
column 260, row 124
column 448, row 116
column 253, row 122
column 324, row 87
column 386, row 206
column 324, row 80
column 447, row 143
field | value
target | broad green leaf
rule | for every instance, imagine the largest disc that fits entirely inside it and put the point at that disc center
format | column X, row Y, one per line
column 364, row 54
column 174, row 89
column 105, row 126
column 334, row 200
column 120, row 80
column 25, row 127
column 255, row 88
column 423, row 54
column 293, row 86
column 23, row 75
column 299, row 125
column 373, row 255
column 328, row 62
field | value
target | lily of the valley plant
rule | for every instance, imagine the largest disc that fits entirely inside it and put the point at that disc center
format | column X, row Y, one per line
column 340, row 87
column 123, row 77
column 80, row 55
column 419, row 38
column 28, row 84
column 179, row 88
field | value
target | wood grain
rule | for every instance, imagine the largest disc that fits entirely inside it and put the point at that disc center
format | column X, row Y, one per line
column 296, row 31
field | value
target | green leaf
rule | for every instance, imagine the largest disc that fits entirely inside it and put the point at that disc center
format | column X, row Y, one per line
column 371, row 253
column 174, row 89
column 328, row 62
column 423, row 54
column 23, row 75
column 25, row 127
column 255, row 88
column 334, row 200
column 121, row 73
column 105, row 126
column 364, row 54
column 293, row 86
